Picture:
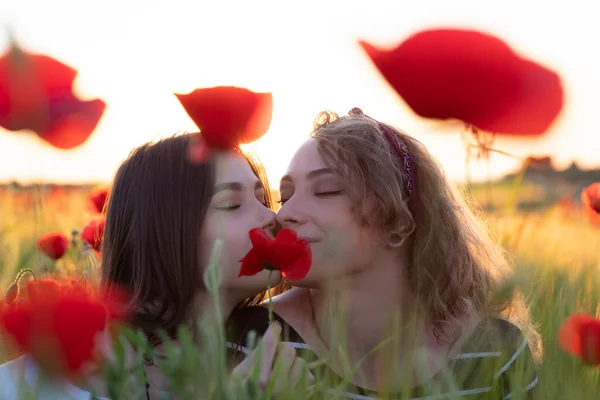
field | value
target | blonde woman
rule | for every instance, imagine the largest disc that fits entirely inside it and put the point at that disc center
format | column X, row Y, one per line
column 402, row 274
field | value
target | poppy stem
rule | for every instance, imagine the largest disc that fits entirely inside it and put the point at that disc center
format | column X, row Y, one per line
column 25, row 271
column 269, row 295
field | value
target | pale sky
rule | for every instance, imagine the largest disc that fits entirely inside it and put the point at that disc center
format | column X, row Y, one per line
column 135, row 54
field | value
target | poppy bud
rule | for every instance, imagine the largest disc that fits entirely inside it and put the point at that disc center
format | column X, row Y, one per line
column 11, row 293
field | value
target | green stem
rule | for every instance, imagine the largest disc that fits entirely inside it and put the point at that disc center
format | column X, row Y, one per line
column 25, row 271
column 269, row 294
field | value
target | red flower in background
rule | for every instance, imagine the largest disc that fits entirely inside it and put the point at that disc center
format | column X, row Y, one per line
column 227, row 116
column 93, row 233
column 53, row 244
column 98, row 198
column 36, row 93
column 59, row 321
column 472, row 77
column 286, row 253
column 590, row 197
column 580, row 336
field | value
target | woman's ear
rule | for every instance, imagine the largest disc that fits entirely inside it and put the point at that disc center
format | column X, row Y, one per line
column 397, row 237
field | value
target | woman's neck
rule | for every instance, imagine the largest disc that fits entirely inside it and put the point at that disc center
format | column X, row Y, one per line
column 369, row 317
column 214, row 309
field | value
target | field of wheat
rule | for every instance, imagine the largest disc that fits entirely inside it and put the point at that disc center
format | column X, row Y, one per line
column 555, row 252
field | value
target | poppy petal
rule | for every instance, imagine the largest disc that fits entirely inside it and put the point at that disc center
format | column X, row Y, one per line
column 93, row 233
column 473, row 77
column 259, row 237
column 590, row 343
column 17, row 322
column 53, row 244
column 569, row 335
column 228, row 116
column 43, row 288
column 590, row 198
column 75, row 325
column 286, row 236
column 299, row 267
column 36, row 94
column 252, row 263
column 98, row 199
column 74, row 128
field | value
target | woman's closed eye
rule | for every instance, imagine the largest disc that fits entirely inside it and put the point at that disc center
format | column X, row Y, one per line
column 329, row 193
column 321, row 194
column 228, row 207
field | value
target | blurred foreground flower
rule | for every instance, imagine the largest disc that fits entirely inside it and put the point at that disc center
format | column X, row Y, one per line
column 59, row 322
column 98, row 199
column 36, row 93
column 227, row 116
column 473, row 77
column 286, row 253
column 53, row 244
column 580, row 336
column 93, row 233
column 590, row 197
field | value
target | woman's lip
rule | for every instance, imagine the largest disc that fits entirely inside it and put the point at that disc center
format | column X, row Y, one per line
column 309, row 240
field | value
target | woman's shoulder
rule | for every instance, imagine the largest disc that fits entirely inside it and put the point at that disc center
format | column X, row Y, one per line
column 22, row 375
column 498, row 354
column 499, row 335
column 10, row 378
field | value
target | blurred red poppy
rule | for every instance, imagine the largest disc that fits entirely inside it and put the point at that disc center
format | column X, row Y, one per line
column 228, row 116
column 58, row 323
column 580, row 336
column 93, row 233
column 98, row 198
column 286, row 253
column 36, row 93
column 53, row 244
column 590, row 197
column 473, row 77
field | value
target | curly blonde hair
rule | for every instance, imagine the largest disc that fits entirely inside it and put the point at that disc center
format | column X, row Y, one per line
column 455, row 264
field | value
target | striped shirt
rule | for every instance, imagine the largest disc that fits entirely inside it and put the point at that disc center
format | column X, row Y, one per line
column 495, row 362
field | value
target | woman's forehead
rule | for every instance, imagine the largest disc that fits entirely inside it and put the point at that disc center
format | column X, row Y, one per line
column 306, row 159
column 233, row 167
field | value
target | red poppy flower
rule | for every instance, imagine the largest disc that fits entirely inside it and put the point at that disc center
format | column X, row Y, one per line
column 36, row 93
column 98, row 199
column 580, row 336
column 53, row 244
column 590, row 197
column 228, row 116
column 58, row 323
column 93, row 233
column 473, row 77
column 287, row 253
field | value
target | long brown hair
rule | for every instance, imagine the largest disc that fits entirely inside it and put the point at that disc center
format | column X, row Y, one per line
column 154, row 218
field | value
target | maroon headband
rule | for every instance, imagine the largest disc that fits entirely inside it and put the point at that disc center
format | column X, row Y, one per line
column 400, row 150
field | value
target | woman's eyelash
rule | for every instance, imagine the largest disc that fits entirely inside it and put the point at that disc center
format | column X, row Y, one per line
column 331, row 193
column 229, row 208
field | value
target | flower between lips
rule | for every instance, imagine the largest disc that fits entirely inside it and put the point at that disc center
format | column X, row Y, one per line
column 286, row 253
